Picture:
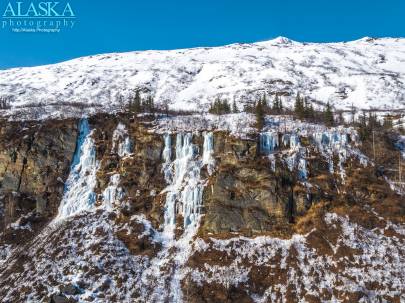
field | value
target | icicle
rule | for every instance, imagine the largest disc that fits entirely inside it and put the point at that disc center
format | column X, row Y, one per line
column 268, row 142
column 170, row 211
column 291, row 161
column 302, row 169
column 167, row 155
column 79, row 188
column 286, row 140
column 167, row 152
column 400, row 144
column 125, row 148
column 208, row 151
column 330, row 143
column 84, row 131
column 294, row 141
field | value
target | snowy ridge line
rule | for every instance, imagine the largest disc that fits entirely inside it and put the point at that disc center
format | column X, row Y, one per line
column 368, row 73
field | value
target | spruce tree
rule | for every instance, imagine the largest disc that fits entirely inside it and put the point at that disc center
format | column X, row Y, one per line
column 280, row 105
column 373, row 122
column 265, row 106
column 328, row 115
column 259, row 112
column 400, row 126
column 306, row 109
column 211, row 109
column 353, row 113
column 299, row 107
column 364, row 131
column 226, row 108
column 234, row 107
column 134, row 104
column 137, row 102
column 220, row 107
column 276, row 105
column 341, row 119
column 311, row 112
column 144, row 105
column 151, row 105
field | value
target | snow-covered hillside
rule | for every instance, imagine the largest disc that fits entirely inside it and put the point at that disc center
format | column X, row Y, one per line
column 369, row 73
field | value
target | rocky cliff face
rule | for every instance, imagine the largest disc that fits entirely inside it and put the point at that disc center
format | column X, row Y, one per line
column 34, row 162
column 126, row 209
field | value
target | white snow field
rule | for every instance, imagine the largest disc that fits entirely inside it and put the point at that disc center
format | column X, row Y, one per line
column 368, row 73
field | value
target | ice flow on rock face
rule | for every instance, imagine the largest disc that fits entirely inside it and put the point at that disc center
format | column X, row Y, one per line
column 113, row 192
column 167, row 157
column 208, row 152
column 79, row 187
column 184, row 193
column 401, row 145
column 268, row 142
column 122, row 143
column 330, row 143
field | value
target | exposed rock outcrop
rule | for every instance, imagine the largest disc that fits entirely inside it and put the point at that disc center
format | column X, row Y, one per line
column 35, row 159
column 205, row 216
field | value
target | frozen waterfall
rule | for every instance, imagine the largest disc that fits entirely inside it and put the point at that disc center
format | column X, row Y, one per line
column 185, row 190
column 302, row 169
column 208, row 152
column 330, row 139
column 122, row 143
column 167, row 157
column 79, row 187
column 268, row 142
column 113, row 193
column 330, row 142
